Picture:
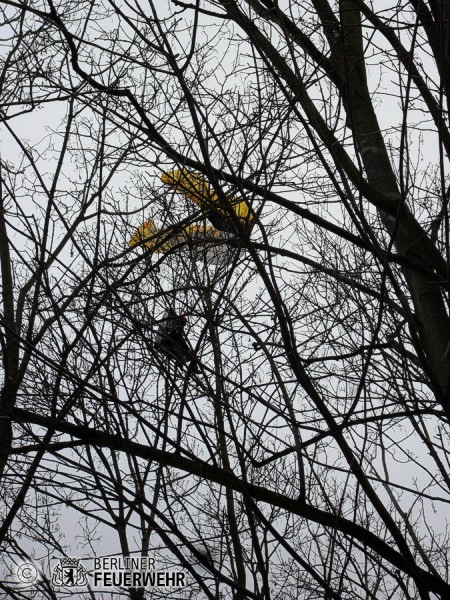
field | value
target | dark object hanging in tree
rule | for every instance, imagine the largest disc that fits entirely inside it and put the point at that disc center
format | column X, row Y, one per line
column 171, row 339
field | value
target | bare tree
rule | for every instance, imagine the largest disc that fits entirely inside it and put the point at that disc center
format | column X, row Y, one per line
column 300, row 448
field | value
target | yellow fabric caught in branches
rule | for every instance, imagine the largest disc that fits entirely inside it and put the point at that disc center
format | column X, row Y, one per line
column 151, row 236
column 148, row 232
column 195, row 187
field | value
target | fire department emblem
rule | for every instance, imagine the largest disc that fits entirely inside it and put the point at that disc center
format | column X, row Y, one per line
column 69, row 572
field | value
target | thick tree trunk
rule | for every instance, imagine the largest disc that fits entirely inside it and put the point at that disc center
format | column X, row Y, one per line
column 10, row 341
column 430, row 330
column 433, row 327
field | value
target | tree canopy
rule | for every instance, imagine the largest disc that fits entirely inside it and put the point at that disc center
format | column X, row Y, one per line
column 302, row 450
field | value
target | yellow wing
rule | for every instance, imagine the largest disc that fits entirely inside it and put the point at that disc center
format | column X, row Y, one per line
column 150, row 236
column 197, row 189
